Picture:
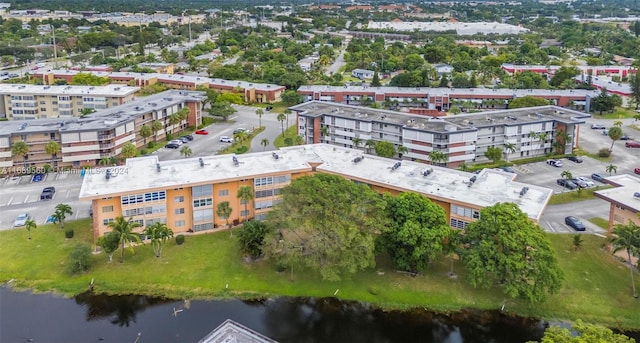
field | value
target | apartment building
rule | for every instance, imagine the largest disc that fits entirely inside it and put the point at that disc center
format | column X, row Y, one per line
column 624, row 199
column 436, row 101
column 609, row 70
column 251, row 91
column 84, row 141
column 184, row 193
column 26, row 101
column 533, row 131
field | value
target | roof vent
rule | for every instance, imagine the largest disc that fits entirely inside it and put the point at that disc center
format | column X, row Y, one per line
column 524, row 191
column 636, row 195
column 512, row 118
column 107, row 175
column 275, row 156
column 158, row 167
column 201, row 162
column 358, row 159
column 235, row 161
column 396, row 166
column 427, row 172
column 472, row 180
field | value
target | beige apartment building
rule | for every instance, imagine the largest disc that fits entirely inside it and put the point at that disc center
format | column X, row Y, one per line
column 624, row 199
column 27, row 102
column 84, row 141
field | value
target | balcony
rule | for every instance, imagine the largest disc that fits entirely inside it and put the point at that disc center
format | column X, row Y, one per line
column 106, row 137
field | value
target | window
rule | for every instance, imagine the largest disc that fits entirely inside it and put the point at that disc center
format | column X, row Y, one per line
column 106, row 209
column 202, row 191
column 180, row 223
column 263, row 204
column 106, row 222
column 156, row 220
column 465, row 212
column 263, row 181
column 244, row 213
column 154, row 196
column 202, row 202
column 201, row 227
column 224, row 192
column 282, row 179
column 203, row 215
column 261, row 216
column 132, row 199
column 179, row 210
column 178, row 199
column 458, row 224
column 139, row 221
column 264, row 193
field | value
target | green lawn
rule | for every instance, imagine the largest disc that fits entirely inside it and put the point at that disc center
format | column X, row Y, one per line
column 279, row 141
column 601, row 222
column 573, row 196
column 241, row 148
column 596, row 289
column 618, row 113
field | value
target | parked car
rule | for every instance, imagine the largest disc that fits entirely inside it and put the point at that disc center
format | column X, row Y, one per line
column 555, row 163
column 189, row 137
column 38, row 177
column 508, row 169
column 47, row 193
column 184, row 139
column 637, row 171
column 226, row 139
column 597, row 177
column 575, row 223
column 588, row 182
column 238, row 130
column 625, row 138
column 176, row 141
column 171, row 145
column 21, row 220
column 269, row 108
column 566, row 184
column 13, row 75
column 202, row 132
column 576, row 159
column 632, row 144
column 598, row 127
column 580, row 183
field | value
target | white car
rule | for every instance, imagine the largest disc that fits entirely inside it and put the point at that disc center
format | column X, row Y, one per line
column 586, row 181
column 226, row 139
column 21, row 220
column 176, row 141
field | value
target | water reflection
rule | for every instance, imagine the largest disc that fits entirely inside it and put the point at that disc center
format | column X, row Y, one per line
column 121, row 310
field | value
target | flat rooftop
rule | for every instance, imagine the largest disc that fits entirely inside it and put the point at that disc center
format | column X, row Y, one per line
column 102, row 119
column 110, row 90
column 233, row 332
column 461, row 28
column 622, row 195
column 491, row 186
column 463, row 122
column 454, row 92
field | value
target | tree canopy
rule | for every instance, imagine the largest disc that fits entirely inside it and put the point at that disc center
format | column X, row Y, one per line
column 584, row 333
column 527, row 101
column 327, row 224
column 505, row 248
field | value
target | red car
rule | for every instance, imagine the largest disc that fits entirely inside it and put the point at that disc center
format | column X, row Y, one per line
column 637, row 171
column 202, row 132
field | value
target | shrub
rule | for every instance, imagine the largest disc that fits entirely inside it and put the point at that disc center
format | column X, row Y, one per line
column 143, row 152
column 169, row 137
column 604, row 152
column 68, row 233
column 179, row 239
column 373, row 290
column 242, row 149
column 251, row 237
column 288, row 141
column 151, row 145
column 80, row 259
column 47, row 168
column 281, row 267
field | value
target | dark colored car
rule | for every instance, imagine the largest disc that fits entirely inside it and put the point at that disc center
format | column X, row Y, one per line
column 566, row 184
column 172, row 146
column 508, row 169
column 38, row 177
column 555, row 163
column 625, row 138
column 189, row 137
column 47, row 193
column 184, row 139
column 269, row 108
column 597, row 177
column 575, row 223
column 637, row 171
column 576, row 159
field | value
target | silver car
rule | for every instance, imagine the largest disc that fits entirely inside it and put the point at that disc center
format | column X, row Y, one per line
column 586, row 181
column 21, row 220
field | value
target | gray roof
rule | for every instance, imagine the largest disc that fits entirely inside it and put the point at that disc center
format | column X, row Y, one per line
column 233, row 332
column 110, row 90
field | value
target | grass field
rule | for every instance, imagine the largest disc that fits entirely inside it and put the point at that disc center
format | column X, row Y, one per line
column 279, row 141
column 596, row 287
column 575, row 195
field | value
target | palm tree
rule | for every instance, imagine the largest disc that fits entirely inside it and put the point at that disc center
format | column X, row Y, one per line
column 611, row 169
column 324, row 131
column 617, row 123
column 402, row 150
column 259, row 113
column 509, row 148
column 30, row 224
column 21, row 148
column 104, row 161
column 265, row 143
column 60, row 214
column 223, row 211
column 615, row 133
column 628, row 239
column 240, row 136
column 159, row 233
column 124, row 229
column 577, row 242
column 542, row 137
column 370, row 144
column 155, row 127
column 287, row 112
column 173, row 120
column 450, row 247
column 567, row 176
column 356, row 142
column 185, row 151
column 129, row 150
column 245, row 194
column 281, row 118
column 532, row 135
column 437, row 157
column 145, row 132
column 52, row 148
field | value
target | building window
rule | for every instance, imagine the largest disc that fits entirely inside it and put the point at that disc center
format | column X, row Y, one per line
column 180, row 223
column 617, row 218
column 244, row 213
column 106, row 222
column 261, row 216
column 264, row 193
column 224, row 192
column 203, row 215
column 202, row 191
column 263, row 181
column 178, row 199
column 202, row 227
column 203, row 202
column 106, row 209
column 458, row 224
column 179, row 210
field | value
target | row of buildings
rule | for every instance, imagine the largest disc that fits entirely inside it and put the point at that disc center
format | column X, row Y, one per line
column 84, row 141
column 184, row 193
column 252, row 92
column 520, row 133
column 437, row 101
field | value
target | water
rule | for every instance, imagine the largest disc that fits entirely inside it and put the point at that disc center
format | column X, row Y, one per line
column 93, row 318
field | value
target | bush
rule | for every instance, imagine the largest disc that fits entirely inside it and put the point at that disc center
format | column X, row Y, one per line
column 169, row 137
column 143, row 152
column 68, row 233
column 251, row 237
column 604, row 152
column 288, row 141
column 281, row 267
column 47, row 168
column 151, row 145
column 179, row 239
column 373, row 290
column 80, row 259
column 242, row 149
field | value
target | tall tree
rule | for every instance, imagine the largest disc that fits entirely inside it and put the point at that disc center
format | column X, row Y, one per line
column 223, row 210
column 610, row 168
column 60, row 214
column 614, row 133
column 245, row 194
column 417, row 230
column 185, row 151
column 129, row 150
column 583, row 333
column 20, row 148
column 326, row 223
column 155, row 127
column 281, row 118
column 265, row 143
column 494, row 154
column 634, row 83
column 159, row 233
column 385, row 149
column 509, row 148
column 109, row 243
column 259, row 113
column 369, row 144
column 627, row 238
column 251, row 237
column 504, row 246
column 437, row 157
column 356, row 142
column 375, row 82
column 145, row 132
column 52, row 148
column 123, row 228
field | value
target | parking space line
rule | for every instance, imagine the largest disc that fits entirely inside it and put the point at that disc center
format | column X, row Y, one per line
column 10, row 200
column 26, row 199
column 68, row 191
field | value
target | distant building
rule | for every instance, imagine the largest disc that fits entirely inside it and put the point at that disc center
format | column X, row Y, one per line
column 624, row 199
column 443, row 69
column 362, row 73
column 162, row 68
